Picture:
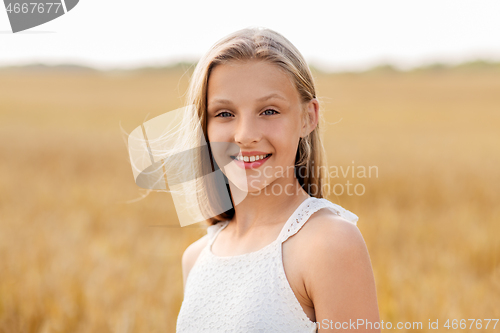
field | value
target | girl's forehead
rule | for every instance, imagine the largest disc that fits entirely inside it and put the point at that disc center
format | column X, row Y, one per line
column 251, row 78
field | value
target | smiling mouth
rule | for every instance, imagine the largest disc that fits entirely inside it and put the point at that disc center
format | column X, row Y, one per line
column 251, row 159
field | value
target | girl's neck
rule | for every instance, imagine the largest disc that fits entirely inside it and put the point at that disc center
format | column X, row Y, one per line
column 266, row 209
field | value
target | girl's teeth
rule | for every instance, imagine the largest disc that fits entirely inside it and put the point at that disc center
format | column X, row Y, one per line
column 250, row 158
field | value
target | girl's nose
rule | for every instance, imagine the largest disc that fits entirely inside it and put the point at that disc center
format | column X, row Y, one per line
column 247, row 131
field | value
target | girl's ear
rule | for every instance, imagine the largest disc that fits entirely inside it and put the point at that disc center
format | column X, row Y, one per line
column 311, row 117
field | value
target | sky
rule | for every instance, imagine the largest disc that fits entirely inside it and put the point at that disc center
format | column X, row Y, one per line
column 332, row 35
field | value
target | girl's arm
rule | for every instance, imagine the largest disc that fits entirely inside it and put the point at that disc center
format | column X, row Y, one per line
column 339, row 277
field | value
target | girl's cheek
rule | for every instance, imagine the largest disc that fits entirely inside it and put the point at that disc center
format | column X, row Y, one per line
column 282, row 130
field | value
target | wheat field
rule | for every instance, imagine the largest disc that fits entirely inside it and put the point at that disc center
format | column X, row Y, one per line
column 80, row 253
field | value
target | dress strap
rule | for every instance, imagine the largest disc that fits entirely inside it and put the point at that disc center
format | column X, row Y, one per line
column 213, row 231
column 312, row 205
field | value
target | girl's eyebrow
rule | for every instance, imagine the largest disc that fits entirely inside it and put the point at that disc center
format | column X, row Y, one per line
column 265, row 98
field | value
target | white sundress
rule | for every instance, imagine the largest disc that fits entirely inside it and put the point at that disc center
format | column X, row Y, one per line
column 250, row 292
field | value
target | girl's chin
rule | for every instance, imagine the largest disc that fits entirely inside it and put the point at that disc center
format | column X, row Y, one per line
column 250, row 185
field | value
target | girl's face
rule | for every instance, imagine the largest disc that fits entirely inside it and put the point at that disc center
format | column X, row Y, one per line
column 254, row 106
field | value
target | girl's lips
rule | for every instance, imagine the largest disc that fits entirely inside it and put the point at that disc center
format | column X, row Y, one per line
column 250, row 165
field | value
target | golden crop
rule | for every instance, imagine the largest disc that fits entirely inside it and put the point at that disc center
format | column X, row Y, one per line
column 77, row 254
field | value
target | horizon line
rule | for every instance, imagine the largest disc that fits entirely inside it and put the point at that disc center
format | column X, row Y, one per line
column 478, row 63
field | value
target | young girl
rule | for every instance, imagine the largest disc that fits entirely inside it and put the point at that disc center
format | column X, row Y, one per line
column 278, row 261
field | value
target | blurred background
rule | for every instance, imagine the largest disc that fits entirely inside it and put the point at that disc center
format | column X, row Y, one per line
column 411, row 88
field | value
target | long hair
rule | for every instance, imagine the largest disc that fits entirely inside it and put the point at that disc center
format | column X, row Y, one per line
column 266, row 45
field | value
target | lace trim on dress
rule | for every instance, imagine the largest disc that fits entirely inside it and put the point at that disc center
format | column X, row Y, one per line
column 312, row 206
column 297, row 220
column 213, row 231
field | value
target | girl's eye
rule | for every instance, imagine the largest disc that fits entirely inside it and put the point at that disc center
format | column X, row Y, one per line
column 270, row 114
column 224, row 112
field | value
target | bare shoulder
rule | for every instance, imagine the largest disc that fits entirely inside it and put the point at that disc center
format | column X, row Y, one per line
column 330, row 242
column 191, row 254
column 327, row 242
column 336, row 269
column 325, row 230
column 193, row 251
column 326, row 235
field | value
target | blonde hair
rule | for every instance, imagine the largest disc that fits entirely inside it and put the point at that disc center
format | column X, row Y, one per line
column 267, row 45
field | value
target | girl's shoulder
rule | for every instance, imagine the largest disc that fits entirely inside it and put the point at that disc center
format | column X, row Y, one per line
column 193, row 251
column 333, row 210
column 316, row 211
column 328, row 241
column 325, row 224
column 328, row 225
column 334, row 264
